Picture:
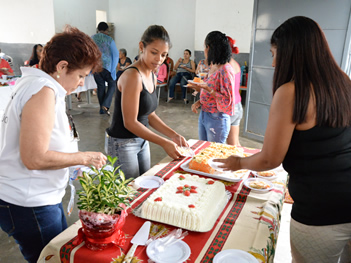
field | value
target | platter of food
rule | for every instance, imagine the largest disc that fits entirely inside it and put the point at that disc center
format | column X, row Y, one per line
column 228, row 176
column 201, row 162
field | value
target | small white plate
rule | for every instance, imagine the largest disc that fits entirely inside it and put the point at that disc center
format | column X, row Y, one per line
column 267, row 177
column 196, row 83
column 176, row 253
column 234, row 255
column 149, row 181
column 186, row 151
column 249, row 180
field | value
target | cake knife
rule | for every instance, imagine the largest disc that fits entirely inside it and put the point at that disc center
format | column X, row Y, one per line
column 139, row 239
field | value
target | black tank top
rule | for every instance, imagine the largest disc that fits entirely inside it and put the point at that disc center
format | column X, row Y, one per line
column 147, row 105
column 319, row 164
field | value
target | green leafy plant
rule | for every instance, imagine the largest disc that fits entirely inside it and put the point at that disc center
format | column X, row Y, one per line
column 103, row 191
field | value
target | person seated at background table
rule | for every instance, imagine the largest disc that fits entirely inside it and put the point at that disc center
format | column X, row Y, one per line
column 309, row 131
column 162, row 73
column 36, row 55
column 216, row 94
column 185, row 67
column 170, row 62
column 202, row 66
column 233, row 136
column 123, row 61
column 5, row 68
column 135, row 103
column 34, row 158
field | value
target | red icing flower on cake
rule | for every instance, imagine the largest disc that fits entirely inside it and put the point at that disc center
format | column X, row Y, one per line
column 186, row 190
column 181, row 177
column 210, row 182
column 191, row 206
column 158, row 199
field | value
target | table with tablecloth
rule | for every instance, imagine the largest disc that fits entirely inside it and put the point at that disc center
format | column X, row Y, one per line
column 250, row 222
column 89, row 84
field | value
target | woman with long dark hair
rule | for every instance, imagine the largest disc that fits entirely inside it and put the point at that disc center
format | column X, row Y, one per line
column 309, row 131
column 217, row 93
column 135, row 103
column 36, row 55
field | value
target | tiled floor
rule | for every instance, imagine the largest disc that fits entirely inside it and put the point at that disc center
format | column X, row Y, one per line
column 91, row 126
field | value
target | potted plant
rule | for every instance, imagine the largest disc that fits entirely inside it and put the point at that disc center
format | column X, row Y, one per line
column 103, row 201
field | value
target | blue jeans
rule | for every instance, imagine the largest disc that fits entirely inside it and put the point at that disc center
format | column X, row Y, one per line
column 133, row 154
column 179, row 78
column 105, row 97
column 32, row 227
column 214, row 127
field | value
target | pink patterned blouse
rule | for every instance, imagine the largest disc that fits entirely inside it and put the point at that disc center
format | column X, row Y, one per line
column 222, row 82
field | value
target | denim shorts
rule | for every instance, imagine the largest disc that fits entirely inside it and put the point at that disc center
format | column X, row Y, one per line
column 214, row 127
column 32, row 227
column 133, row 154
column 238, row 115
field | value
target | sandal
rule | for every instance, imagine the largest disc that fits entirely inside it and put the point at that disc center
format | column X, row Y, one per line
column 106, row 110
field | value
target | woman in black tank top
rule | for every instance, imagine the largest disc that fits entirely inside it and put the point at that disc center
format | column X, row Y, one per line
column 309, row 130
column 135, row 105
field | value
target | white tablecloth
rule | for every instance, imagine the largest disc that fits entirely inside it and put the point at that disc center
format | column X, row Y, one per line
column 89, row 83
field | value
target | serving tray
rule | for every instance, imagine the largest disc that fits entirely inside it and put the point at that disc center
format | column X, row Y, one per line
column 236, row 176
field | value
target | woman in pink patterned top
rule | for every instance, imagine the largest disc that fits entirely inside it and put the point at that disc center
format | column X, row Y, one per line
column 217, row 94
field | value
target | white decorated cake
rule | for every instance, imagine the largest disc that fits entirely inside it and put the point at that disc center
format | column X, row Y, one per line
column 186, row 201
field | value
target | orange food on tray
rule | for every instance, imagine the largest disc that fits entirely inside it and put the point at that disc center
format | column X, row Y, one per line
column 266, row 173
column 216, row 150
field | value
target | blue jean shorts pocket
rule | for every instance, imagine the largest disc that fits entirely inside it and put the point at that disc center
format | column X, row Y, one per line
column 6, row 221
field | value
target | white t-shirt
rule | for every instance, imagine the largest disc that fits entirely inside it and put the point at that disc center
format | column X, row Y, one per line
column 18, row 185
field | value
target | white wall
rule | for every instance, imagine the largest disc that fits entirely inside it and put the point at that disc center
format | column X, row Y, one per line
column 232, row 17
column 187, row 22
column 78, row 13
column 26, row 21
column 131, row 18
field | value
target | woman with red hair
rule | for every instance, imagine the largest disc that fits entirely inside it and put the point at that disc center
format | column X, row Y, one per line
column 37, row 144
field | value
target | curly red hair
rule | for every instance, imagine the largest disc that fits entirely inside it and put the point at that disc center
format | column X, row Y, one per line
column 73, row 46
